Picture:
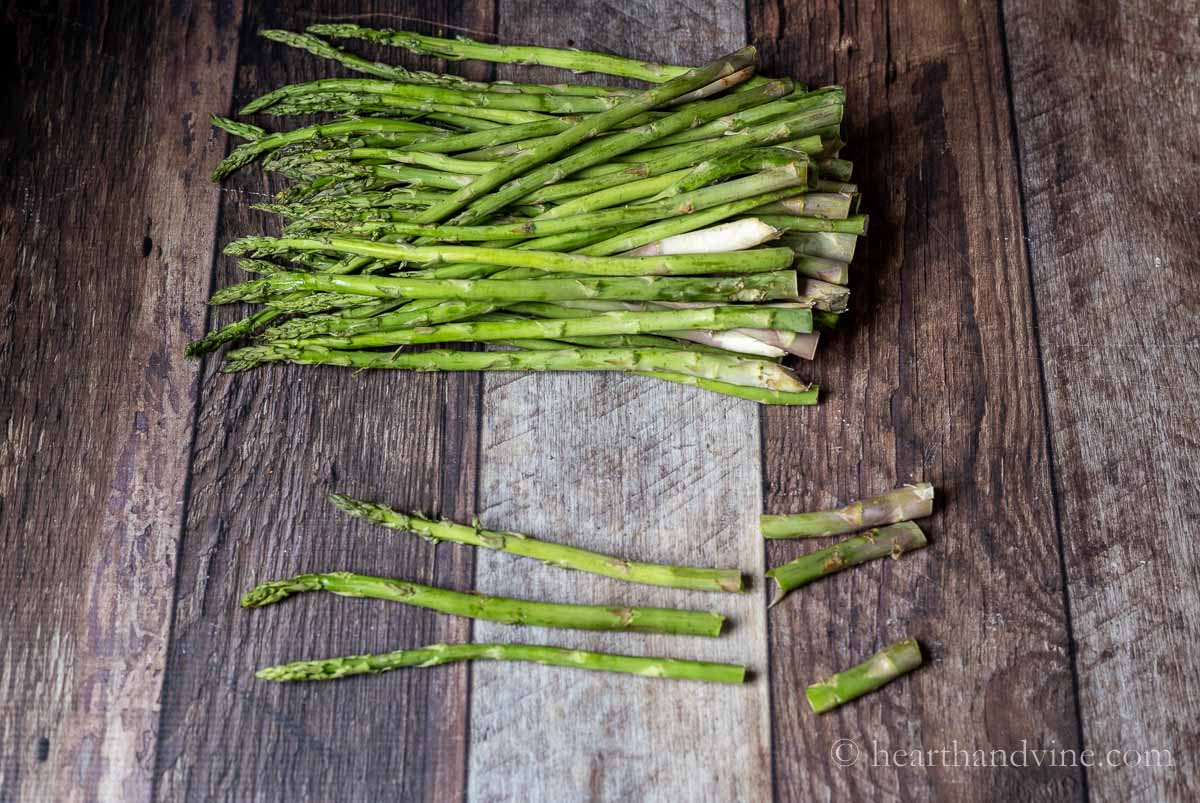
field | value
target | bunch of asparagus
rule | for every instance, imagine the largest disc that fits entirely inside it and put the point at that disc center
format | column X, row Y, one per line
column 698, row 231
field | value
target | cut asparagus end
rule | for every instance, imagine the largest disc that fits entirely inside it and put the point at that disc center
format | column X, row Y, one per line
column 877, row 671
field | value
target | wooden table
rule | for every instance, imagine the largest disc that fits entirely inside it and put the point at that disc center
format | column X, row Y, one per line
column 1022, row 336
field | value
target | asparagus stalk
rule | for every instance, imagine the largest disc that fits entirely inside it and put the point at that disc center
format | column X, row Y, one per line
column 425, row 312
column 753, row 287
column 496, row 609
column 903, row 504
column 460, row 48
column 406, row 94
column 437, row 654
column 560, row 555
column 730, row 370
column 805, row 397
column 608, row 323
column 877, row 671
column 249, row 151
column 319, row 47
column 893, row 540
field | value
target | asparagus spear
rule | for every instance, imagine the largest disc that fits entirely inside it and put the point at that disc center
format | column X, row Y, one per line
column 566, row 557
column 804, row 397
column 319, row 47
column 762, row 260
column 495, row 609
column 893, row 540
column 437, row 654
column 753, row 287
column 460, row 48
column 249, row 151
column 430, row 94
column 877, row 671
column 424, row 312
column 730, row 370
column 903, row 504
column 608, row 323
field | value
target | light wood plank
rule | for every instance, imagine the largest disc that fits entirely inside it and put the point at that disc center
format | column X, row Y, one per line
column 934, row 378
column 1108, row 118
column 635, row 467
column 106, row 230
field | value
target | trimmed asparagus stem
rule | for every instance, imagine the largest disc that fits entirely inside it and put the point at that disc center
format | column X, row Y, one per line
column 609, row 323
column 593, row 126
column 437, row 654
column 825, row 270
column 754, row 287
column 830, row 205
column 877, row 671
column 891, row 541
column 803, row 346
column 732, row 370
column 903, row 504
column 566, row 557
column 828, row 245
column 496, row 609
column 462, row 48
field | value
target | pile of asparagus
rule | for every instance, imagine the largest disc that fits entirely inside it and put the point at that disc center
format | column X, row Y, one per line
column 699, row 231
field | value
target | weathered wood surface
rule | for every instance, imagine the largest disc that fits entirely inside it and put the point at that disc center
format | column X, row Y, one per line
column 106, row 221
column 1107, row 102
column 1041, row 386
column 935, row 378
column 608, row 462
column 268, row 446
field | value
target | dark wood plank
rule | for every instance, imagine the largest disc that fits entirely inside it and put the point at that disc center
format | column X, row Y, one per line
column 935, row 378
column 604, row 462
column 106, row 226
column 269, row 445
column 1107, row 115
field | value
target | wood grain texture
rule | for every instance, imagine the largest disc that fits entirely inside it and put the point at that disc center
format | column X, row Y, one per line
column 1110, row 209
column 105, row 236
column 632, row 467
column 935, row 378
column 269, row 446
